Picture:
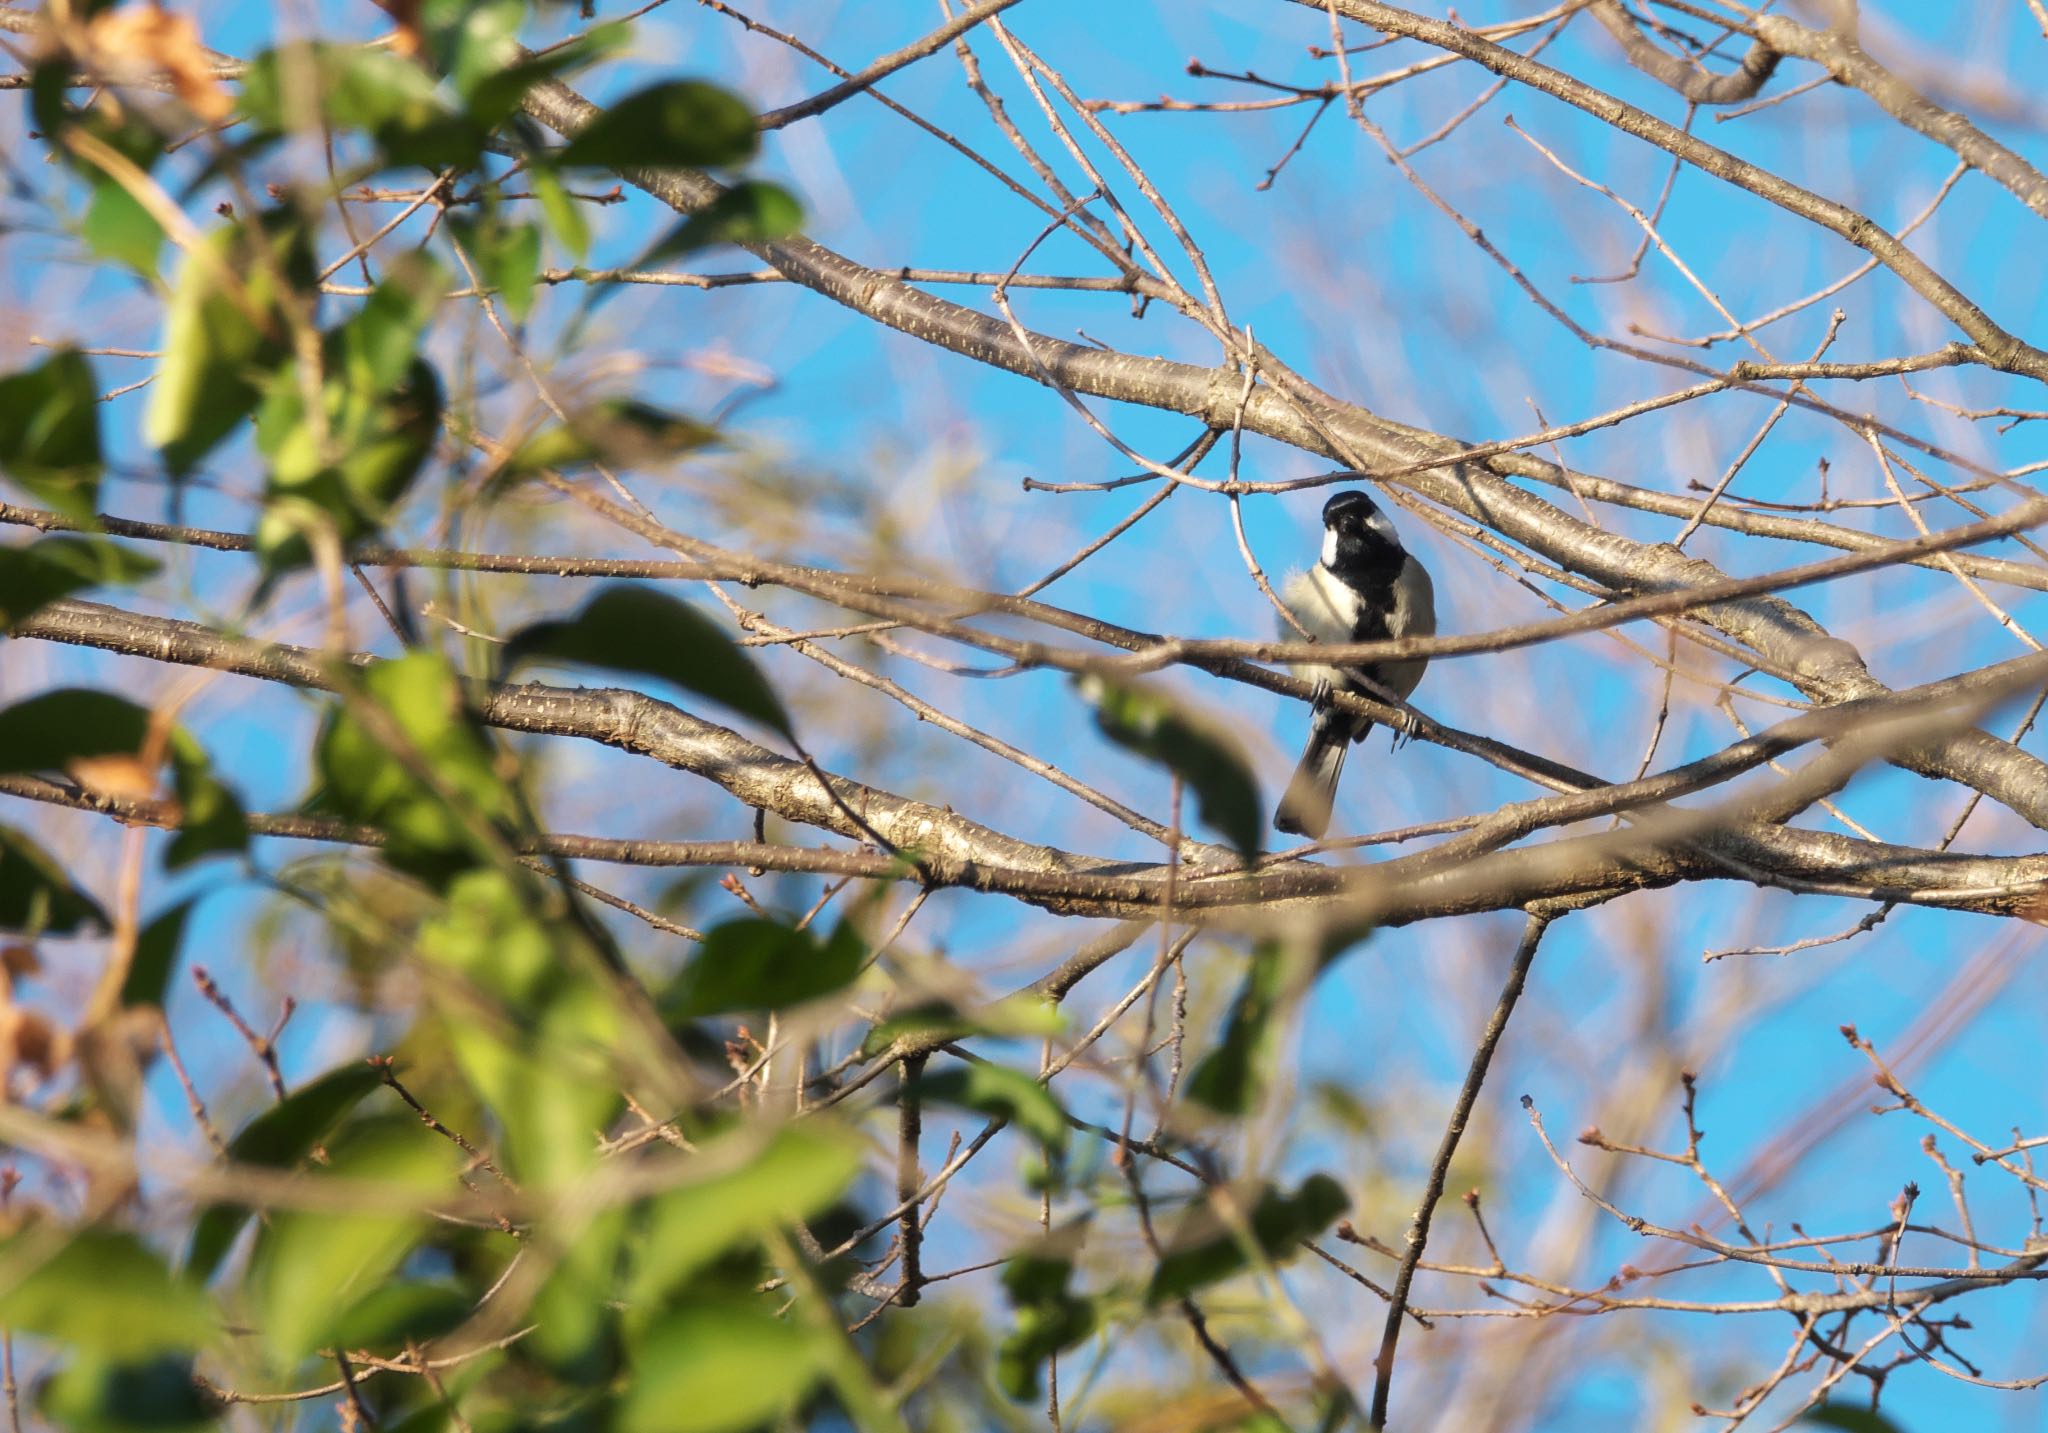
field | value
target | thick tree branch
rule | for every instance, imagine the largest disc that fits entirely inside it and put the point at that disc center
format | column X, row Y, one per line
column 1466, row 875
column 1654, row 60
column 1852, row 65
column 2003, row 349
column 1791, row 642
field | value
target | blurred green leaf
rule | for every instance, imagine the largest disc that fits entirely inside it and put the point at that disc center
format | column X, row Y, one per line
column 1050, row 1318
column 679, row 123
column 50, row 94
column 48, row 731
column 1203, row 755
column 211, row 819
column 100, row 1290
column 156, row 954
column 1227, row 1079
column 374, row 349
column 798, row 1172
column 563, row 214
column 50, row 433
column 531, row 1021
column 631, row 628
column 1003, row 1093
column 225, row 334
column 474, row 41
column 36, row 896
column 755, row 964
column 1010, row 1017
column 36, row 575
column 116, row 224
column 414, row 1310
column 364, row 779
column 618, row 432
column 381, row 412
column 507, row 257
column 349, row 87
column 311, row 1268
column 576, row 1311
column 279, row 1138
column 98, row 1395
column 117, row 227
column 1855, row 1420
column 748, row 213
column 56, row 730
column 494, row 90
column 717, row 1368
column 1204, row 1250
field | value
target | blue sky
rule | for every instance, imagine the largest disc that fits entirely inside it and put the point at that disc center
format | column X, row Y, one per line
column 1343, row 269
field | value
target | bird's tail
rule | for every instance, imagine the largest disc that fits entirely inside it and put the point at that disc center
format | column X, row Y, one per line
column 1305, row 806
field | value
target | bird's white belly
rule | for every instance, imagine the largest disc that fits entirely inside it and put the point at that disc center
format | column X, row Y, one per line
column 1328, row 610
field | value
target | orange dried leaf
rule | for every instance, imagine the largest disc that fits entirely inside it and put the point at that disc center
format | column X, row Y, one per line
column 40, row 1043
column 143, row 41
column 120, row 774
column 408, row 39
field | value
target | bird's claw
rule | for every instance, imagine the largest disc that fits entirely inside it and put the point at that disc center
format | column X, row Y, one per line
column 1319, row 694
column 1404, row 726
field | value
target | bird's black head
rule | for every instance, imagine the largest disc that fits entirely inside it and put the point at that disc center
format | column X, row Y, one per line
column 1357, row 537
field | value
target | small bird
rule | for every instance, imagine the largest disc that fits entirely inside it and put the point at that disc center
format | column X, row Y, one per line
column 1367, row 588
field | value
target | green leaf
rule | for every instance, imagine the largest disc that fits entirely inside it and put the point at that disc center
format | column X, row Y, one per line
column 278, row 1138
column 799, row 1172
column 92, row 1394
column 381, row 409
column 349, row 87
column 1050, row 1318
column 1203, row 755
column 46, row 732
column 563, row 214
column 311, row 1268
column 681, row 123
column 631, row 628
column 1856, row 1420
column 393, row 1314
column 1012, row 1017
column 212, row 821
column 507, row 256
column 52, row 731
column 494, row 86
column 474, row 43
column 117, row 227
column 364, row 779
column 1227, row 1078
column 224, row 335
column 748, row 213
column 102, row 1291
column 34, row 576
column 755, row 964
column 36, row 896
column 373, row 352
column 1203, row 1249
column 156, row 953
column 716, row 1368
column 50, row 433
column 531, row 1018
column 1001, row 1093
column 576, row 1313
column 619, row 432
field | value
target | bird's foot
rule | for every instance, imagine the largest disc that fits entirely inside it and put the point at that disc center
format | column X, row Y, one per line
column 1404, row 726
column 1319, row 694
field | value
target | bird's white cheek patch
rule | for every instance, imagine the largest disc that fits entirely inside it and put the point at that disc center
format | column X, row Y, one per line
column 1329, row 547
